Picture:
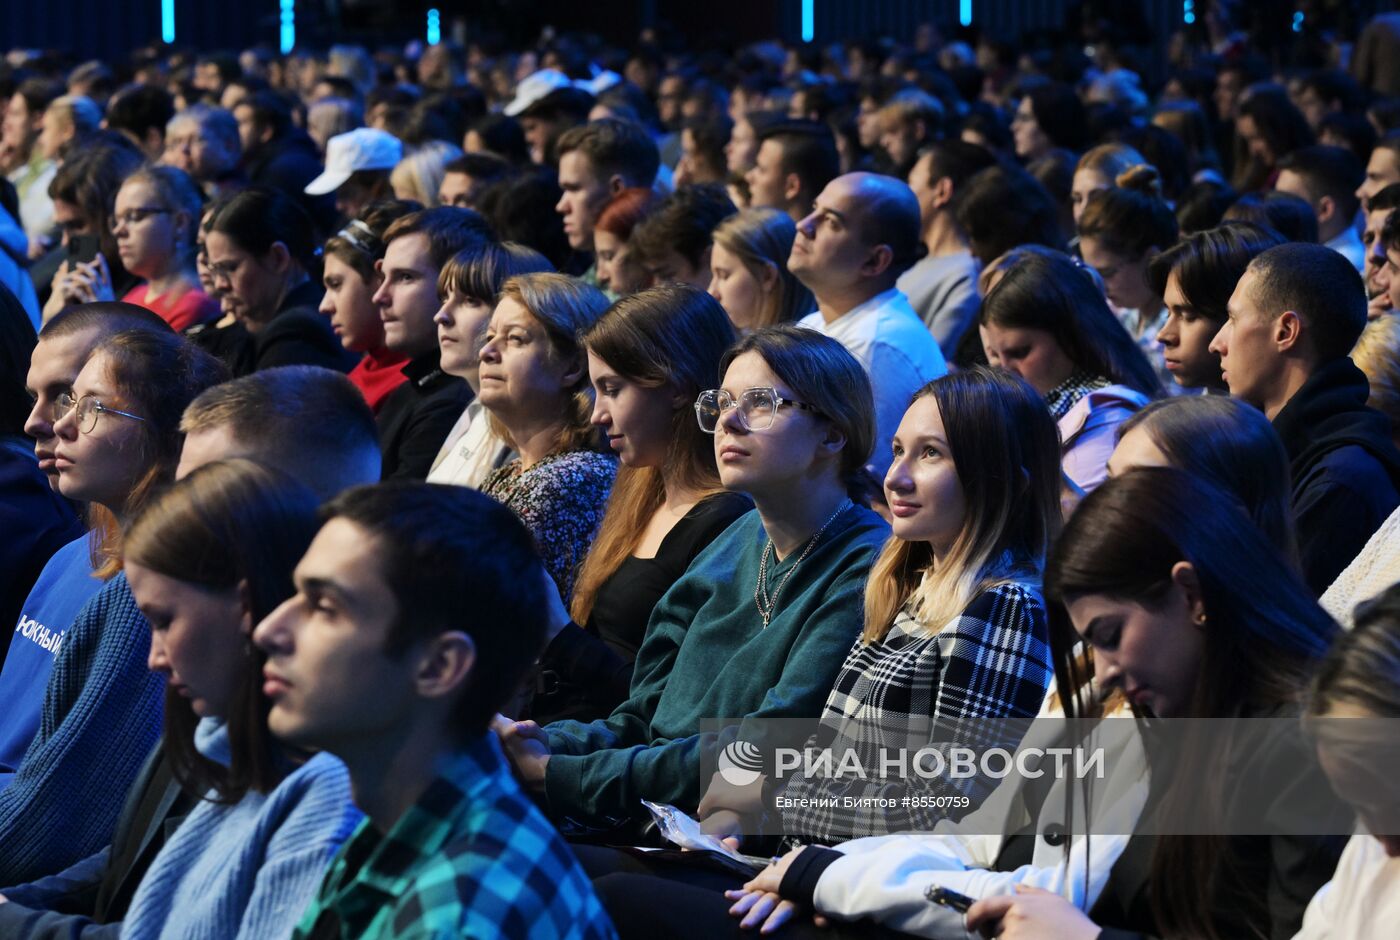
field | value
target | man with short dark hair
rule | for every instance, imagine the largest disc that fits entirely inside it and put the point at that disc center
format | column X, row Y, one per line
column 1327, row 178
column 1382, row 168
column 863, row 233
column 942, row 286
column 407, row 591
column 467, row 177
column 795, row 160
column 416, row 417
column 141, row 112
column 1293, row 318
column 311, row 423
column 597, row 161
column 277, row 153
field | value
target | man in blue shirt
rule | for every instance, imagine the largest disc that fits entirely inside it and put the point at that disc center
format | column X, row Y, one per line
column 414, row 620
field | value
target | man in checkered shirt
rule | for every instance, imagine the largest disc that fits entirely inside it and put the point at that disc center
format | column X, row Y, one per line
column 415, row 616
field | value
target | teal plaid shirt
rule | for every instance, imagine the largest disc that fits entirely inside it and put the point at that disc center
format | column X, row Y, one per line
column 472, row 858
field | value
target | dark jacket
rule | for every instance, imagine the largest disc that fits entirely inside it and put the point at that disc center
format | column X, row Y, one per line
column 288, row 163
column 1345, row 468
column 297, row 335
column 99, row 889
column 417, row 416
column 36, row 521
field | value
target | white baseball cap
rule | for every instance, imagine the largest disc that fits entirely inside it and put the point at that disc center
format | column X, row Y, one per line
column 361, row 149
column 536, row 87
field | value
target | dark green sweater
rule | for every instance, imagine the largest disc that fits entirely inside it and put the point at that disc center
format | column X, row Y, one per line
column 707, row 656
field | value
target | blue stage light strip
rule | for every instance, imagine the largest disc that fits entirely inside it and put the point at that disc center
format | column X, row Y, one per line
column 289, row 25
column 167, row 20
column 434, row 35
column 965, row 12
column 809, row 20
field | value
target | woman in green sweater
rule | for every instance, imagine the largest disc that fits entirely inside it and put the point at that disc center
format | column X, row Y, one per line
column 759, row 624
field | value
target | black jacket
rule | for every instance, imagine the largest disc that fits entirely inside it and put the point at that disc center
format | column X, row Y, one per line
column 416, row 417
column 297, row 335
column 288, row 163
column 1345, row 468
column 99, row 890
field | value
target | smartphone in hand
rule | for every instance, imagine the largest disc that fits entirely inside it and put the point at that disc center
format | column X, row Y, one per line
column 82, row 249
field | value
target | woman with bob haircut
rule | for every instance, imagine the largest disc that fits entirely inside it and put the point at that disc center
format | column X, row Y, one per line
column 206, row 560
column 534, row 384
column 757, row 626
column 469, row 286
column 749, row 274
column 351, row 279
column 1047, row 321
column 649, row 356
column 1195, row 277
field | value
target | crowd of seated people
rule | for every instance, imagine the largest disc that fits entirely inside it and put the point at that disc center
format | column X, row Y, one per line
column 439, row 484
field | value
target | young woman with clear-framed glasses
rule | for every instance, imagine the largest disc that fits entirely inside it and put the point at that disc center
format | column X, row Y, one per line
column 118, row 442
column 758, row 625
column 154, row 223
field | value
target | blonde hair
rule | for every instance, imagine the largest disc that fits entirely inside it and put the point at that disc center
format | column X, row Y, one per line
column 1006, row 451
column 1377, row 353
column 566, row 307
column 762, row 238
column 418, row 176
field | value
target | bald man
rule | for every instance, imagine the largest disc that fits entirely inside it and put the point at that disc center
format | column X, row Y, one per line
column 861, row 235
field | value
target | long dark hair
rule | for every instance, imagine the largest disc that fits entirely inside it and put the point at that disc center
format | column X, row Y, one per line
column 229, row 523
column 257, row 218
column 1265, row 637
column 1047, row 291
column 1232, row 445
column 670, row 334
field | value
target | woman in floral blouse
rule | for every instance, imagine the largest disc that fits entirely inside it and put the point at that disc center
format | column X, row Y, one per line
column 534, row 385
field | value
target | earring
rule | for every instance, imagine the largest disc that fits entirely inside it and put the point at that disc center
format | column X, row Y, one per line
column 1199, row 620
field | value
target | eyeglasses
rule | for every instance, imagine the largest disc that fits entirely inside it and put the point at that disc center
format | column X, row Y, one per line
column 88, row 408
column 758, row 407
column 133, row 216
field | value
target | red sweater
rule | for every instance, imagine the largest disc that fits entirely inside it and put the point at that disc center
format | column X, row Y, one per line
column 378, row 374
column 181, row 310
